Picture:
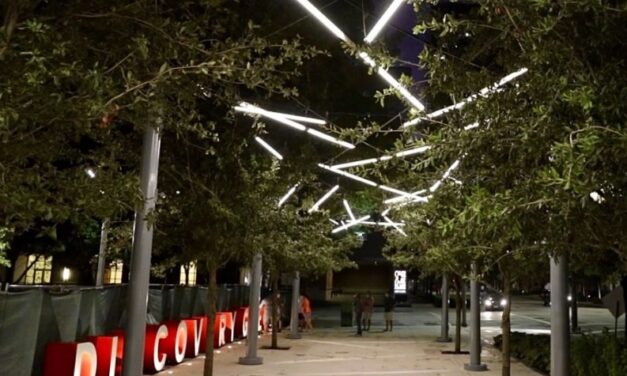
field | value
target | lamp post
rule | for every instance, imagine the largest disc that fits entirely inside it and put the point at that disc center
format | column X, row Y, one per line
column 251, row 357
column 140, row 259
column 294, row 334
column 475, row 325
column 560, row 334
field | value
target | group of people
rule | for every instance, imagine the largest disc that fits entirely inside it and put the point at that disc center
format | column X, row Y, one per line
column 363, row 306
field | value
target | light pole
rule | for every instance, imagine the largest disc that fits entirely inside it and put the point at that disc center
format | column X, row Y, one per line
column 294, row 334
column 251, row 357
column 475, row 324
column 140, row 259
column 560, row 334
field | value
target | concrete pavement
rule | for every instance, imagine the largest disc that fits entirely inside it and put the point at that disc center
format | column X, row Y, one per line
column 331, row 350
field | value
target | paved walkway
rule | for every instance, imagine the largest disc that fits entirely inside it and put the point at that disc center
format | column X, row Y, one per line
column 330, row 350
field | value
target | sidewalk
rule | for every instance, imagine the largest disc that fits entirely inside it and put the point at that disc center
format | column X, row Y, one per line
column 410, row 350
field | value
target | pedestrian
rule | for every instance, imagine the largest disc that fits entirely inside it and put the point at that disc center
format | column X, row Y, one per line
column 305, row 307
column 358, row 306
column 388, row 308
column 368, row 308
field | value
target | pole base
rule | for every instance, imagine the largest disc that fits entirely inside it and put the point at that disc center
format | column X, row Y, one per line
column 251, row 360
column 444, row 339
column 475, row 367
column 294, row 336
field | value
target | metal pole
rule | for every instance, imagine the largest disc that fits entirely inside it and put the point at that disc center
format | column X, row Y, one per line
column 102, row 251
column 475, row 325
column 294, row 334
column 444, row 337
column 140, row 258
column 560, row 334
column 464, row 322
column 251, row 357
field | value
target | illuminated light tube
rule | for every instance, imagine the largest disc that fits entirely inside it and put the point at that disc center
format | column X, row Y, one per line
column 324, row 20
column 385, row 18
column 397, row 226
column 348, row 210
column 404, row 198
column 334, row 222
column 400, row 154
column 269, row 148
column 249, row 108
column 471, row 126
column 393, row 82
column 323, row 199
column 384, row 224
column 394, row 190
column 287, row 195
column 452, row 168
column 458, row 182
column 385, row 212
column 348, row 175
column 326, row 137
column 435, row 186
column 483, row 92
column 302, row 119
column 418, row 150
column 350, row 224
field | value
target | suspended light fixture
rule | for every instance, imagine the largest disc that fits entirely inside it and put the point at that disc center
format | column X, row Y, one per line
column 331, row 139
column 269, row 148
column 287, row 195
column 400, row 154
column 482, row 93
column 348, row 210
column 348, row 175
column 324, row 20
column 322, row 199
column 350, row 224
column 397, row 226
column 385, row 18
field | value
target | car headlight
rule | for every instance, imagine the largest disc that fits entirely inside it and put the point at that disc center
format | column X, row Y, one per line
column 488, row 302
column 503, row 302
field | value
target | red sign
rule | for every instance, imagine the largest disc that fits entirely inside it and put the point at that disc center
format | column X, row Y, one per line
column 169, row 342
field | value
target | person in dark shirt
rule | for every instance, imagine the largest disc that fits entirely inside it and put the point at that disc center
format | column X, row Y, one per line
column 388, row 309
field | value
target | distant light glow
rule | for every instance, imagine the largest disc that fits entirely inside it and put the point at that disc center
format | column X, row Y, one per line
column 596, row 197
column 350, row 224
column 393, row 82
column 324, row 20
column 385, row 18
column 287, row 195
column 90, row 172
column 348, row 210
column 65, row 274
column 459, row 105
column 322, row 199
column 269, row 148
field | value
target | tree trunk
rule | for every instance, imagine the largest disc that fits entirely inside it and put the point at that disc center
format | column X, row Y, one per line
column 458, row 314
column 506, row 323
column 212, row 298
column 623, row 283
column 275, row 312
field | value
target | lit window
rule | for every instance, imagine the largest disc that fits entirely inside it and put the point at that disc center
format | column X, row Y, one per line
column 113, row 274
column 188, row 274
column 40, row 270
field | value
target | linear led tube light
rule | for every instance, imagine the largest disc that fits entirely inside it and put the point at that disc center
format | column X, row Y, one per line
column 483, row 92
column 397, row 226
column 334, row 221
column 393, row 82
column 323, row 199
column 471, row 126
column 324, row 20
column 288, row 194
column 249, row 108
column 385, row 224
column 452, row 168
column 404, row 198
column 394, row 190
column 348, row 210
column 303, row 119
column 348, row 175
column 269, row 148
column 385, row 18
column 400, row 154
column 350, row 224
column 331, row 139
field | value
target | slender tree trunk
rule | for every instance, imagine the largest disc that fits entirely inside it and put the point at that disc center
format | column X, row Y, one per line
column 574, row 306
column 212, row 298
column 275, row 312
column 458, row 314
column 505, row 322
column 623, row 283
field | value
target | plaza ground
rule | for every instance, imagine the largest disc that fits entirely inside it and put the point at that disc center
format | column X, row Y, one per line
column 410, row 350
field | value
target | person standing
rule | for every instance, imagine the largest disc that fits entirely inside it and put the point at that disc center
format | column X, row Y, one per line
column 305, row 307
column 358, row 306
column 388, row 311
column 368, row 308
